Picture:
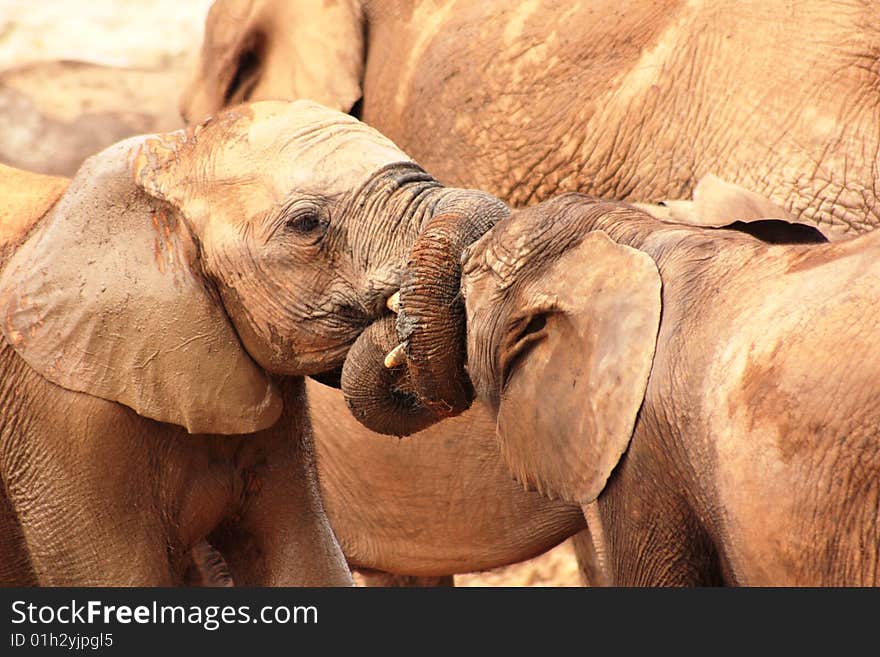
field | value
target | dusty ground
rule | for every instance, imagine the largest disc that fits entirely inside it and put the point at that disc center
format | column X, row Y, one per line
column 54, row 114
column 557, row 567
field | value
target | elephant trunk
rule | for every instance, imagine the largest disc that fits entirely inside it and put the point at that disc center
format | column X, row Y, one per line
column 430, row 327
column 382, row 398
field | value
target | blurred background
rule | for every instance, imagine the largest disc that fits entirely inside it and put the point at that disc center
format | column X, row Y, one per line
column 79, row 75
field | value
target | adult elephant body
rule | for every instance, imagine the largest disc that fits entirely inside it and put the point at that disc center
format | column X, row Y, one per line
column 531, row 99
column 437, row 503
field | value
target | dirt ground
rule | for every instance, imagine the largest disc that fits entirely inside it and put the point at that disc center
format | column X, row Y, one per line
column 557, row 567
column 53, row 114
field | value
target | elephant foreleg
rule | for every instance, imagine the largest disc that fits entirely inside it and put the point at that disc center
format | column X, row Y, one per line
column 281, row 535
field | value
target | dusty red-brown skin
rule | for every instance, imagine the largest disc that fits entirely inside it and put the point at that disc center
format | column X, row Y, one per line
column 636, row 105
column 753, row 453
column 234, row 234
column 528, row 100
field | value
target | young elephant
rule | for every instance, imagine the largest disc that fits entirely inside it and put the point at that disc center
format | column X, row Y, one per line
column 732, row 437
column 184, row 283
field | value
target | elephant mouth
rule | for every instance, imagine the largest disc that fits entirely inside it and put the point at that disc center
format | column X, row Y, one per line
column 331, row 378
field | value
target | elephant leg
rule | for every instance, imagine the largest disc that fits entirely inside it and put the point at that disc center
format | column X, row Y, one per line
column 376, row 578
column 84, row 479
column 82, row 540
column 281, row 535
column 75, row 544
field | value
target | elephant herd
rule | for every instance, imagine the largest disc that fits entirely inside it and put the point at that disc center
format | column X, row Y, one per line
column 612, row 271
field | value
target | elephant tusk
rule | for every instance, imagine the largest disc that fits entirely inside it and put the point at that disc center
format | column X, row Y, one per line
column 396, row 356
column 393, row 302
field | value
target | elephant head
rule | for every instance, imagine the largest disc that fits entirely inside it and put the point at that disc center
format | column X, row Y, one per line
column 271, row 49
column 562, row 329
column 180, row 272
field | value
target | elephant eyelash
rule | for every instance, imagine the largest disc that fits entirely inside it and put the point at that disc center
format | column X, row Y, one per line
column 304, row 223
column 307, row 220
column 536, row 324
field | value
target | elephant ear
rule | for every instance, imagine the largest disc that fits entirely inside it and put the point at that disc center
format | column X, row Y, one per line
column 307, row 49
column 321, row 54
column 106, row 297
column 572, row 395
column 720, row 204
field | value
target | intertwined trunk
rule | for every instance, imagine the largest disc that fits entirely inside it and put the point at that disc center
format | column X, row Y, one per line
column 431, row 382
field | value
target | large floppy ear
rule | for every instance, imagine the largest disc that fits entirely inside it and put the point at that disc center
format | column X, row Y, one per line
column 720, row 204
column 572, row 394
column 320, row 55
column 278, row 50
column 107, row 297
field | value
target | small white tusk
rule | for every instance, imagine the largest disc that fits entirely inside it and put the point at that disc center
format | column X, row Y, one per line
column 393, row 302
column 396, row 356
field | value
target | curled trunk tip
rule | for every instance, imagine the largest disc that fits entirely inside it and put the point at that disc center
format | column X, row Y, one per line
column 382, row 398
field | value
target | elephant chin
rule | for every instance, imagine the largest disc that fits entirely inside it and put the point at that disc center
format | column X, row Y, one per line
column 427, row 382
column 381, row 398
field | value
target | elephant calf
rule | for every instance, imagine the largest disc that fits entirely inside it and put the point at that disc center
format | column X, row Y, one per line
column 715, row 394
column 136, row 421
column 158, row 313
column 706, row 396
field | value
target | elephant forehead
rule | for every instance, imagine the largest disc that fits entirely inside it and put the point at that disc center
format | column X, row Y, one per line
column 331, row 158
column 304, row 146
column 509, row 248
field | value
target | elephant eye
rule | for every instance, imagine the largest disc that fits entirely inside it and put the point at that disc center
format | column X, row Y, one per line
column 522, row 335
column 307, row 223
column 304, row 219
column 303, row 223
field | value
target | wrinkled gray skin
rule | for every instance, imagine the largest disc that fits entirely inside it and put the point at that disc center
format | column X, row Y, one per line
column 753, row 457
